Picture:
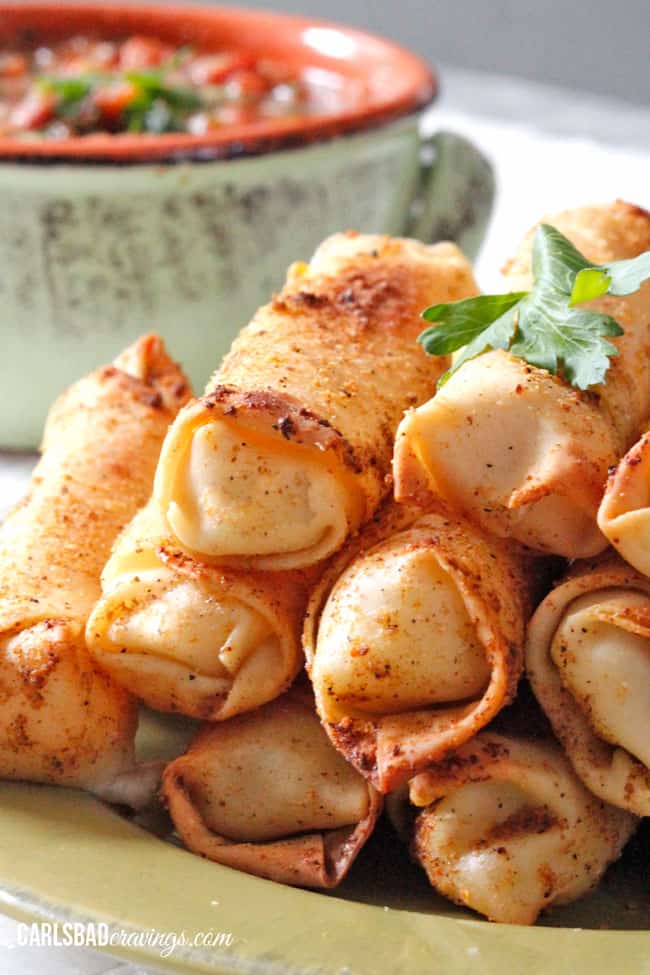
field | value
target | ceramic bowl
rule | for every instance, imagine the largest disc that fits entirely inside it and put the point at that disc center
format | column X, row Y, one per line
column 104, row 237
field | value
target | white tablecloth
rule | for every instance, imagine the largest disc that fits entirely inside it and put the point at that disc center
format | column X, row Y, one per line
column 551, row 149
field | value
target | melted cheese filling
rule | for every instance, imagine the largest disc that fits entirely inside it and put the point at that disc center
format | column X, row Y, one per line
column 237, row 498
column 395, row 635
column 607, row 669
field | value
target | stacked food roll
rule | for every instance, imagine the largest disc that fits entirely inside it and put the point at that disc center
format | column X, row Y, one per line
column 287, row 452
column 624, row 513
column 268, row 794
column 517, row 449
column 414, row 640
column 505, row 827
column 324, row 503
column 415, row 637
column 205, row 594
column 202, row 640
column 62, row 720
column 290, row 449
column 588, row 644
column 588, row 659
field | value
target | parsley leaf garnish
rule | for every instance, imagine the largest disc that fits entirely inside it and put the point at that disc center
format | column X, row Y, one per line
column 620, row 278
column 542, row 326
column 473, row 324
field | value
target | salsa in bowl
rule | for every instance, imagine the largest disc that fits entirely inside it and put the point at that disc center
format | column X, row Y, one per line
column 131, row 83
column 141, row 84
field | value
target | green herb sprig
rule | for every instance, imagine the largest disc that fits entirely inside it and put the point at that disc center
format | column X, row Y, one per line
column 542, row 326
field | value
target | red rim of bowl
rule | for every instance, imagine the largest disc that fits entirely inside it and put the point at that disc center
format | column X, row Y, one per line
column 410, row 82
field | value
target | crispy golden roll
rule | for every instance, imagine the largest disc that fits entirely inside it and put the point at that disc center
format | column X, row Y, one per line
column 414, row 640
column 507, row 829
column 290, row 448
column 266, row 793
column 588, row 660
column 624, row 513
column 205, row 641
column 516, row 448
column 61, row 719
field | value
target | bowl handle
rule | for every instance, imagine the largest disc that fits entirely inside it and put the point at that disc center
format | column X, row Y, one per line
column 455, row 193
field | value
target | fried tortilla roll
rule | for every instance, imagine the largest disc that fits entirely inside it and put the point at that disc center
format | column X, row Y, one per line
column 266, row 793
column 518, row 450
column 414, row 640
column 588, row 660
column 508, row 829
column 183, row 636
column 624, row 513
column 61, row 719
column 289, row 449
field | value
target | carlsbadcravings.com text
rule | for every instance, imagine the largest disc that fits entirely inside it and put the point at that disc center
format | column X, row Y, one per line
column 90, row 935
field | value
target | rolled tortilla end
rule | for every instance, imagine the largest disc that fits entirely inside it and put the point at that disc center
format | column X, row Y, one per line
column 62, row 720
column 46, row 674
column 516, row 448
column 267, row 794
column 190, row 638
column 233, row 493
column 289, row 450
column 414, row 640
column 624, row 513
column 507, row 829
column 588, row 659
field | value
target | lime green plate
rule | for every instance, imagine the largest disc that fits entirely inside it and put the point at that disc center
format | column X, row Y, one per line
column 67, row 857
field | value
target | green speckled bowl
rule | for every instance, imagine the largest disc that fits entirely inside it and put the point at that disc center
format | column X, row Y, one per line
column 100, row 241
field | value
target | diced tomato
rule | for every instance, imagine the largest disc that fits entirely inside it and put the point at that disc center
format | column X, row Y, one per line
column 35, row 109
column 112, row 99
column 72, row 67
column 143, row 52
column 236, row 115
column 12, row 65
column 104, row 54
column 88, row 88
column 276, row 72
column 247, row 85
column 212, row 69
